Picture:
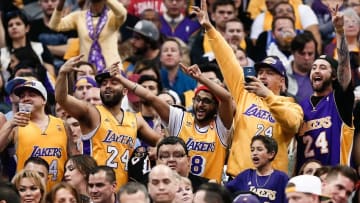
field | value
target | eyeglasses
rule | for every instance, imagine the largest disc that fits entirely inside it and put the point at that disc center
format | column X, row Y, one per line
column 204, row 100
column 175, row 155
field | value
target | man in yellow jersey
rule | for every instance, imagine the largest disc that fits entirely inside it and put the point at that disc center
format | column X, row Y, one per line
column 109, row 133
column 37, row 134
column 206, row 131
column 260, row 108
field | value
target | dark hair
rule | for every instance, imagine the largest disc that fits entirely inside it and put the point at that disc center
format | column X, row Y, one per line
column 171, row 140
column 145, row 78
column 147, row 64
column 218, row 3
column 11, row 15
column 82, row 63
column 215, row 193
column 301, row 171
column 279, row 18
column 110, row 173
column 300, row 40
column 346, row 171
column 322, row 170
column 280, row 3
column 131, row 188
column 235, row 20
column 51, row 195
column 9, row 193
column 84, row 163
column 269, row 143
column 27, row 59
column 212, row 67
column 38, row 161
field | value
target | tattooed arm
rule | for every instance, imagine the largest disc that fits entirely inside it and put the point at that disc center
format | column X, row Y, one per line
column 344, row 70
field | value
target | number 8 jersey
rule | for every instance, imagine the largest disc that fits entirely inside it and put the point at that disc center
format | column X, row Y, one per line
column 113, row 142
column 206, row 146
column 324, row 136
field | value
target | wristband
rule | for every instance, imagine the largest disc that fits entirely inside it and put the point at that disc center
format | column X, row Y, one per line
column 134, row 88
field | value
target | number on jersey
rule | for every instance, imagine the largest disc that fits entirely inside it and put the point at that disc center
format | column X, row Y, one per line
column 53, row 169
column 320, row 143
column 261, row 130
column 114, row 152
column 197, row 165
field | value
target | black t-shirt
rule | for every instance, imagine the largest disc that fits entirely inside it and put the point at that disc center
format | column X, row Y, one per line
column 39, row 32
column 344, row 102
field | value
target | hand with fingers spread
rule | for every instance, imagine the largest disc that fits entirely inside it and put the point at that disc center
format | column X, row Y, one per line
column 193, row 71
column 202, row 14
column 71, row 64
column 257, row 87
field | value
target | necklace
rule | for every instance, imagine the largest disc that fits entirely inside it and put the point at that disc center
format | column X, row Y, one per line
column 267, row 180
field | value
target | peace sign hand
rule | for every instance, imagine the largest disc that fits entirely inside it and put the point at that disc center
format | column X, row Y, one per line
column 337, row 18
column 202, row 14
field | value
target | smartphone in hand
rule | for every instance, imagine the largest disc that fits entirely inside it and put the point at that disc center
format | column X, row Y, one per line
column 249, row 71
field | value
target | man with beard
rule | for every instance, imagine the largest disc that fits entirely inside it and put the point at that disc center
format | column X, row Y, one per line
column 206, row 131
column 144, row 42
column 260, row 109
column 109, row 133
column 97, row 28
column 327, row 131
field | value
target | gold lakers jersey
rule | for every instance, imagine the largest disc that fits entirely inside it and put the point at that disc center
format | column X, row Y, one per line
column 206, row 149
column 113, row 142
column 51, row 145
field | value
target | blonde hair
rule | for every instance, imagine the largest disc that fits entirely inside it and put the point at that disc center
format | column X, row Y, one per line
column 32, row 175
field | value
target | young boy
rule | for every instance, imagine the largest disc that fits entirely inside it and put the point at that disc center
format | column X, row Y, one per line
column 268, row 183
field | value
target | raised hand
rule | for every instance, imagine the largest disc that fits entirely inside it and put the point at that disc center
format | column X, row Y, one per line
column 202, row 14
column 257, row 87
column 71, row 64
column 114, row 69
column 193, row 71
column 337, row 18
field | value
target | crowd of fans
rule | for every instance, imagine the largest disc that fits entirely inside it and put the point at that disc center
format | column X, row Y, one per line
column 179, row 101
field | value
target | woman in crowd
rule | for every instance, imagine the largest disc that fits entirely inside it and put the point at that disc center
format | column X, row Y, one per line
column 83, row 69
column 185, row 192
column 310, row 167
column 16, row 36
column 30, row 186
column 62, row 192
column 77, row 169
column 352, row 34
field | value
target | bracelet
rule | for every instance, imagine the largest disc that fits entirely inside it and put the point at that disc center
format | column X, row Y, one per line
column 134, row 88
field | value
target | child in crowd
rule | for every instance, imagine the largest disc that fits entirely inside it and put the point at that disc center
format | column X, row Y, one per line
column 265, row 181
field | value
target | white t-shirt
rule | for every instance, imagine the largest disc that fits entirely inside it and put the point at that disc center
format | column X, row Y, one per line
column 175, row 123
